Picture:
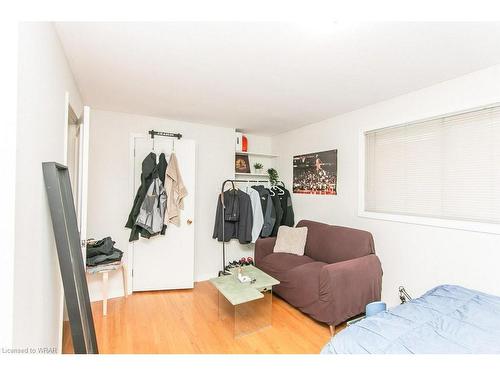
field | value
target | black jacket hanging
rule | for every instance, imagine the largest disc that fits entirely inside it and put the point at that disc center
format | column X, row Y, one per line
column 286, row 205
column 149, row 173
column 279, row 211
column 162, row 168
column 238, row 217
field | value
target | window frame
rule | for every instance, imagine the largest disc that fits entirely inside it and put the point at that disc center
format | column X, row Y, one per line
column 472, row 226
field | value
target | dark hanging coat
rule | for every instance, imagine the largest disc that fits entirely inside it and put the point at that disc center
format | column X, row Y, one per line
column 238, row 217
column 162, row 168
column 268, row 210
column 279, row 211
column 150, row 170
column 286, row 205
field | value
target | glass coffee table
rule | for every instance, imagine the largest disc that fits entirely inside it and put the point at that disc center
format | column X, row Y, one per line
column 245, row 307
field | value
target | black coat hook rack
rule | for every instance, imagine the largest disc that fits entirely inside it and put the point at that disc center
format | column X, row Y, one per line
column 152, row 133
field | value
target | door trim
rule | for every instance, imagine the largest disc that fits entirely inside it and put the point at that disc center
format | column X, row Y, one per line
column 131, row 175
column 67, row 104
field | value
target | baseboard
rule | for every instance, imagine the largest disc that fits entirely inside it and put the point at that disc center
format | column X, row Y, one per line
column 205, row 277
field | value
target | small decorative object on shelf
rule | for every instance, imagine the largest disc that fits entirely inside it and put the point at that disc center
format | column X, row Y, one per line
column 258, row 168
column 244, row 143
column 241, row 164
column 273, row 176
column 238, row 146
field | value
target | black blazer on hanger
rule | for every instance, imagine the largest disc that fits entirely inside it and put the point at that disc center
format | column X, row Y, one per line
column 238, row 220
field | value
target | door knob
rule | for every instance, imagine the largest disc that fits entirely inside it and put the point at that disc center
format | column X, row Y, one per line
column 189, row 221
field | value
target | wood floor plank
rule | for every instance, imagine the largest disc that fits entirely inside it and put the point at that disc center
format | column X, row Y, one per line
column 186, row 321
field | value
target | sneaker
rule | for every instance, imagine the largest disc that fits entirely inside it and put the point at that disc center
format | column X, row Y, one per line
column 243, row 262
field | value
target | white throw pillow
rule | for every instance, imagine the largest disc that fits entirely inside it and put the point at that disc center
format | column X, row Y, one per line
column 291, row 240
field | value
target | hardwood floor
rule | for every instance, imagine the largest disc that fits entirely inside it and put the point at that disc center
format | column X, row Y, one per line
column 186, row 321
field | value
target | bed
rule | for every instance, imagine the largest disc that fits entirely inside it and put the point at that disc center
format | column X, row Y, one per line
column 448, row 319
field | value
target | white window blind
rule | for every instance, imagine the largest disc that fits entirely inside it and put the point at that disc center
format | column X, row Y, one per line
column 447, row 167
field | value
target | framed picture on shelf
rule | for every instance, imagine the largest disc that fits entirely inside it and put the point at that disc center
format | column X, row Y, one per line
column 241, row 164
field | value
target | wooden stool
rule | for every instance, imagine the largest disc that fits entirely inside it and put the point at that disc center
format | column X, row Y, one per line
column 105, row 276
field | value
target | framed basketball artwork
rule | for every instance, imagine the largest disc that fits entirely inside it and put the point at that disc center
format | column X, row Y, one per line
column 315, row 173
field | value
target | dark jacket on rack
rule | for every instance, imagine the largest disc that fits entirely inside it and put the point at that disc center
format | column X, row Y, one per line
column 267, row 210
column 238, row 217
column 279, row 211
column 286, row 205
column 149, row 172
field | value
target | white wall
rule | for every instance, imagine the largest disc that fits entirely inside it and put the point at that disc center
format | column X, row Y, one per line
column 43, row 79
column 8, row 77
column 109, row 192
column 418, row 257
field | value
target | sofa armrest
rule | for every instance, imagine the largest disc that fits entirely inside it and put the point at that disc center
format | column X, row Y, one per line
column 348, row 286
column 263, row 247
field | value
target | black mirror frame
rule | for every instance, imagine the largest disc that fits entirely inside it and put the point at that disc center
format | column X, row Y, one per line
column 64, row 222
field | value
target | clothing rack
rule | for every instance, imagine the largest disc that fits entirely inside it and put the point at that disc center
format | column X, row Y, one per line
column 224, row 272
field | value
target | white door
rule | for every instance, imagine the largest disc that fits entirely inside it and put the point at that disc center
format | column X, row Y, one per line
column 166, row 262
column 83, row 172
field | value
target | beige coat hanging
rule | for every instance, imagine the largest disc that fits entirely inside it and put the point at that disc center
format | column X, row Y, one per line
column 176, row 191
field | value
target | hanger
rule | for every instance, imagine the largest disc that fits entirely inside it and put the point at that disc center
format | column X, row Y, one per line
column 173, row 145
column 222, row 192
column 280, row 190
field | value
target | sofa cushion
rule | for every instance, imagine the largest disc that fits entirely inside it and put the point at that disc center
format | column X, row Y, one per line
column 291, row 240
column 332, row 244
column 278, row 264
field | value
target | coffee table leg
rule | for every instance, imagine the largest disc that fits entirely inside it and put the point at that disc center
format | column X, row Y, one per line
column 225, row 308
column 225, row 312
column 254, row 315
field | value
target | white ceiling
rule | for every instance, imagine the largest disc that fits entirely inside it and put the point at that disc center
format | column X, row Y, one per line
column 266, row 77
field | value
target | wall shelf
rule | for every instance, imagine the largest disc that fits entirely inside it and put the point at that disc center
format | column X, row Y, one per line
column 256, row 154
column 252, row 174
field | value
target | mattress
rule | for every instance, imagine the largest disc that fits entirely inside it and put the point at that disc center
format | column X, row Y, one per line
column 448, row 319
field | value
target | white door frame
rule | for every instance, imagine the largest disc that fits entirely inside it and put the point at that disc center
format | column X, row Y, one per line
column 85, row 114
column 67, row 103
column 131, row 183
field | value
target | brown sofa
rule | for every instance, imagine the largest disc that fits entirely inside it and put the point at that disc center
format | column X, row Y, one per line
column 338, row 275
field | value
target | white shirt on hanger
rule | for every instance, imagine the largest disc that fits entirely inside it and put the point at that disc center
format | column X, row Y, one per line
column 258, row 217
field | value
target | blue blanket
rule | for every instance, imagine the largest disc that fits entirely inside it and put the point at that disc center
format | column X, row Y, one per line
column 447, row 319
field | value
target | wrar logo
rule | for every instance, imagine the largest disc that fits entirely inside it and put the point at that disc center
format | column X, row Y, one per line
column 47, row 351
